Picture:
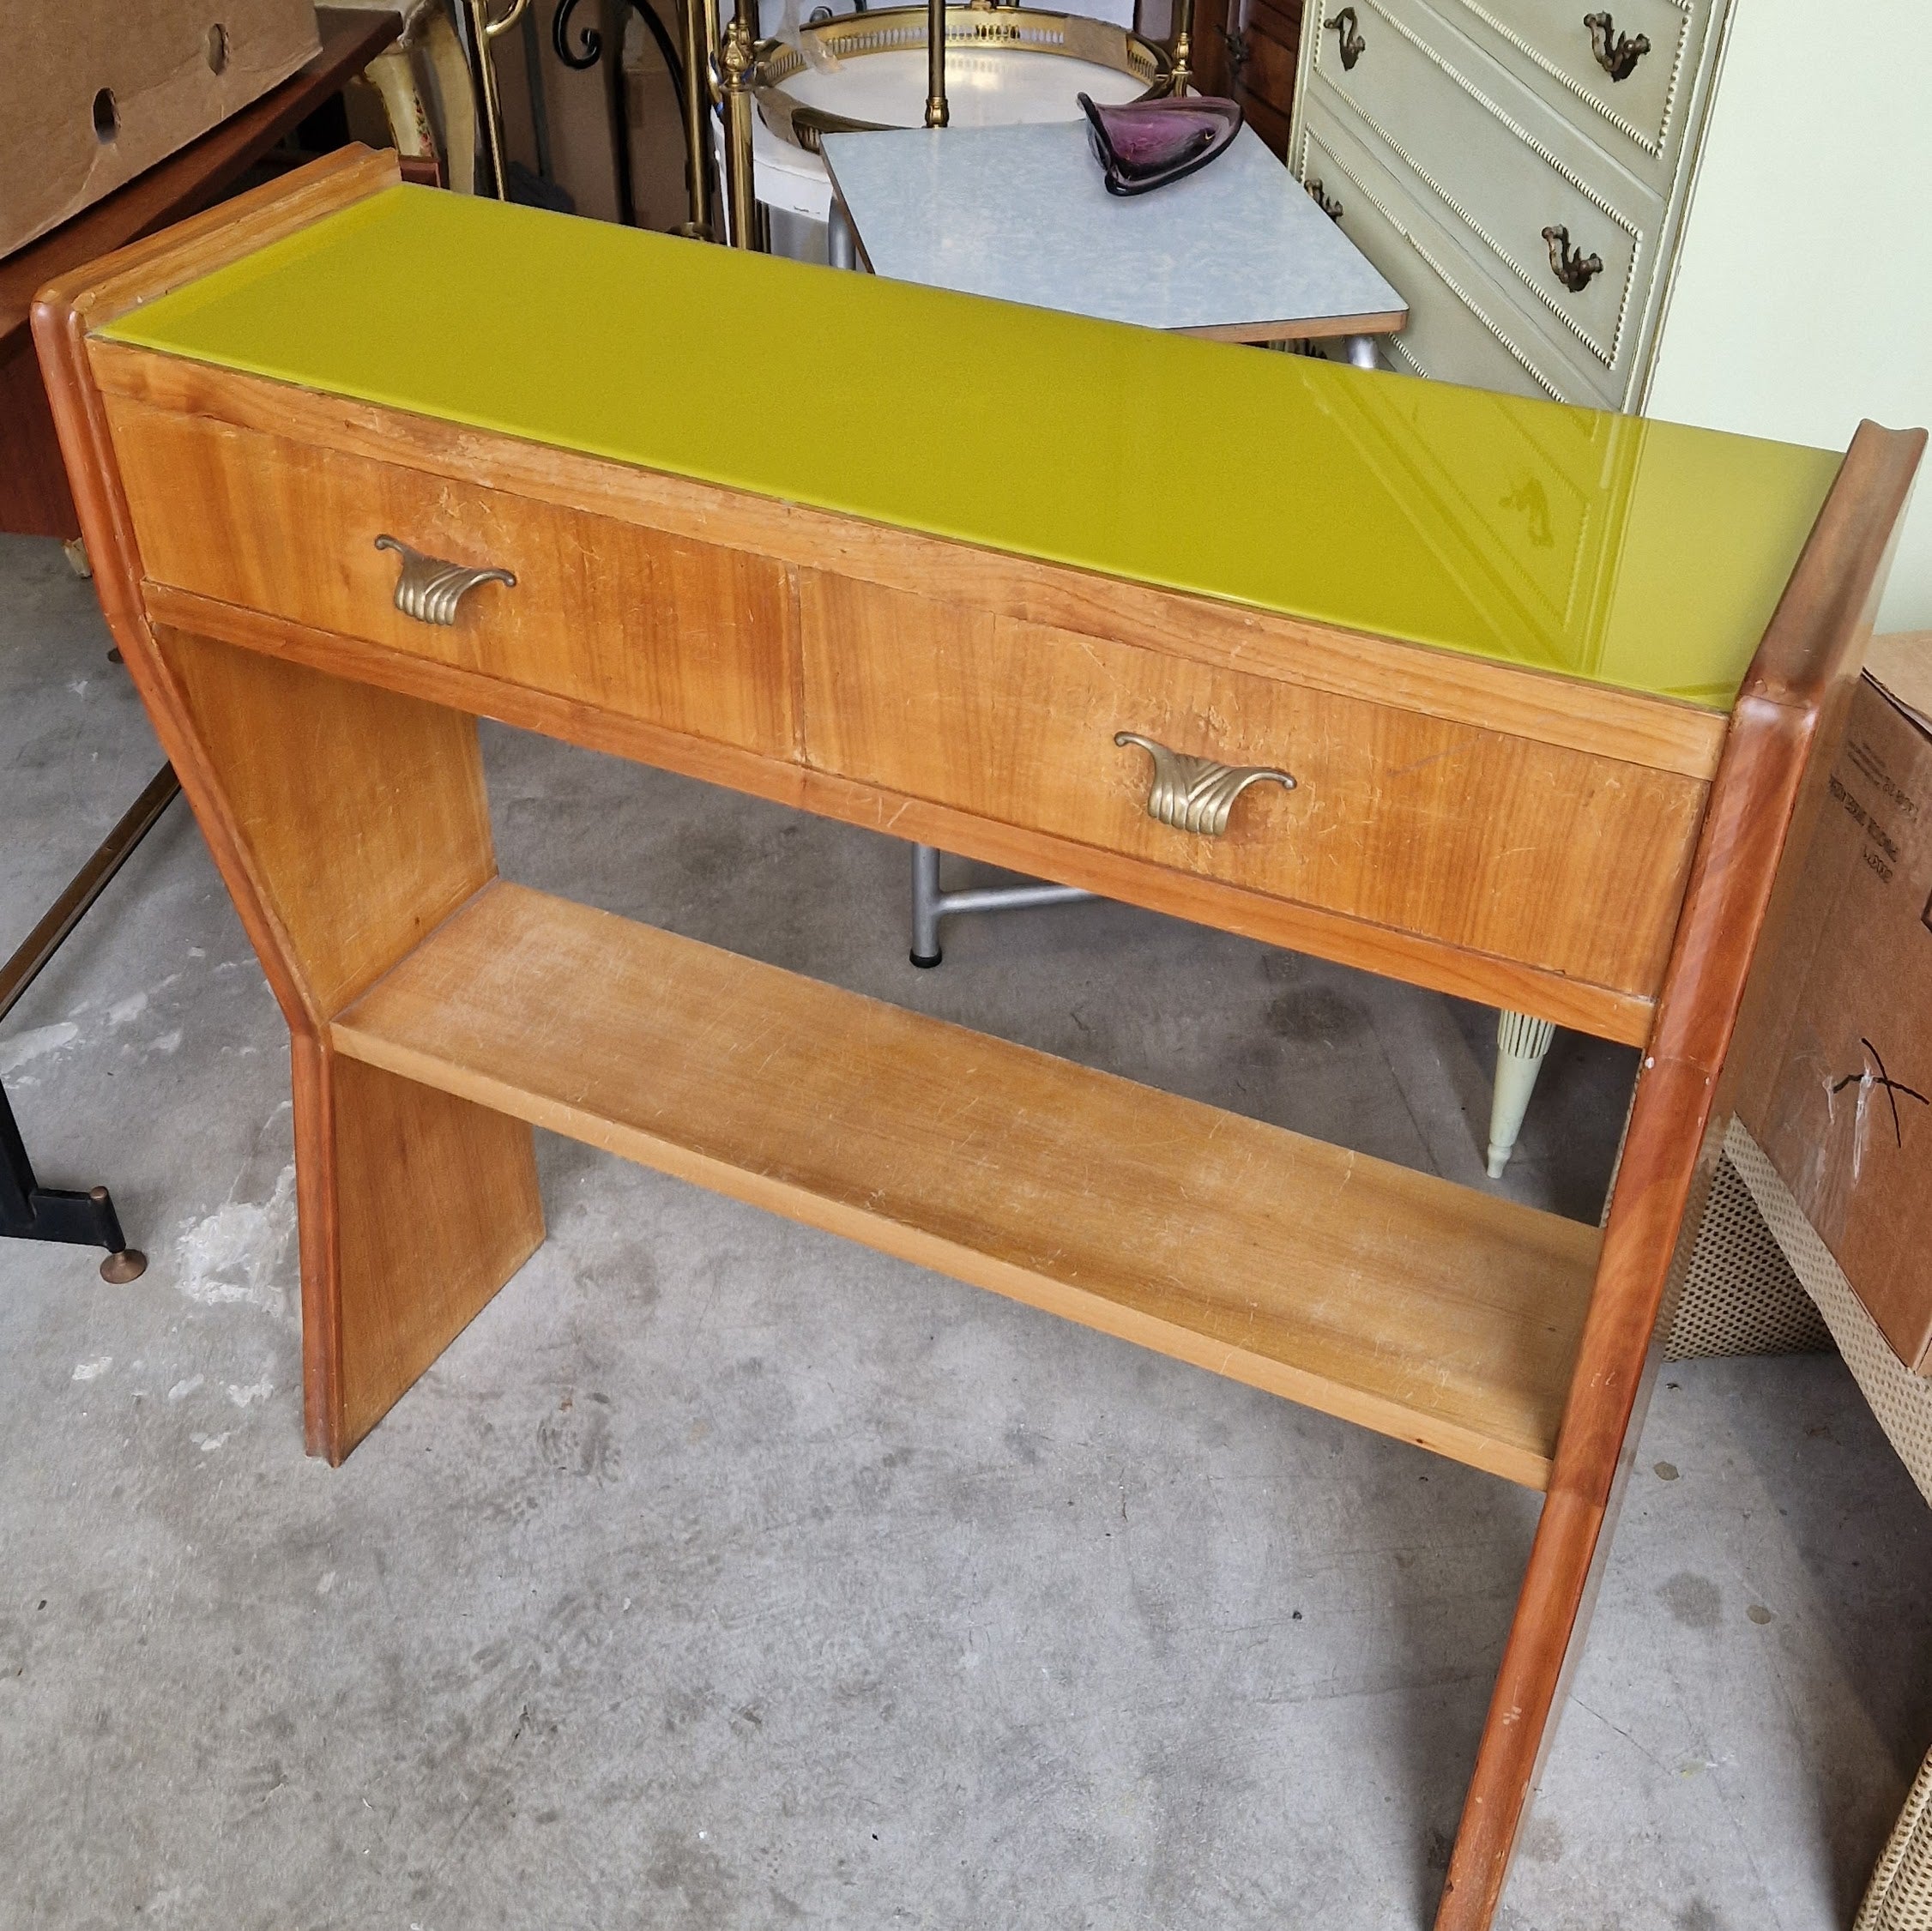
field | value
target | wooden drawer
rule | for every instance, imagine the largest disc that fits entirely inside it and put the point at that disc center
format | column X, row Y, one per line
column 1262, row 38
column 1640, row 120
column 1457, row 330
column 1502, row 165
column 677, row 633
column 1486, row 841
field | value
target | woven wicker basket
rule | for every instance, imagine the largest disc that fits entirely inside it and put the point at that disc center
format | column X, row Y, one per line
column 1754, row 1253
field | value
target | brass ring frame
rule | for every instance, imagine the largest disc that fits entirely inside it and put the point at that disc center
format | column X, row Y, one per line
column 739, row 70
column 886, row 30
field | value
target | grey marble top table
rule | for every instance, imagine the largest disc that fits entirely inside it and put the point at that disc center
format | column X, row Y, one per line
column 1237, row 250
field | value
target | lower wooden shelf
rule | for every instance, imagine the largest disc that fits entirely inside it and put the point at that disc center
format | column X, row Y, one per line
column 1396, row 1299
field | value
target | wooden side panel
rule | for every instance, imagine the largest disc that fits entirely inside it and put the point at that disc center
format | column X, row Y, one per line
column 362, row 820
column 1495, row 844
column 1783, row 734
column 344, row 822
column 682, row 634
column 364, row 814
column 436, row 1207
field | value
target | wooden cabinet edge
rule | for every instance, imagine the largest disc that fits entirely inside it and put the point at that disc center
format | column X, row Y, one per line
column 105, row 289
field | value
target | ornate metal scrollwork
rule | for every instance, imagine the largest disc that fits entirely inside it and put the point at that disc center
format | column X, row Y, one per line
column 429, row 589
column 1196, row 793
column 1571, row 266
column 1329, row 206
column 1349, row 40
column 1617, row 54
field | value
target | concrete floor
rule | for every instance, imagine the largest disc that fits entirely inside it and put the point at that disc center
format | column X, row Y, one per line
column 725, row 1575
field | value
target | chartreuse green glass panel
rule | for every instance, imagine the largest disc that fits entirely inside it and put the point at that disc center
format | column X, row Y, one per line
column 1630, row 553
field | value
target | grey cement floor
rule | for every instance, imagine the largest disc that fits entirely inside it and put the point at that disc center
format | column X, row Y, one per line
column 725, row 1575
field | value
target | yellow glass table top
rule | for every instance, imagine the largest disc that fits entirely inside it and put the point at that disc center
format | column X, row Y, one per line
column 1629, row 552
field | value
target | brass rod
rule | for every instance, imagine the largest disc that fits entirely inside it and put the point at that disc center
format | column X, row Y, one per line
column 482, row 31
column 936, row 111
column 698, row 119
column 1182, row 53
column 85, row 886
column 735, row 62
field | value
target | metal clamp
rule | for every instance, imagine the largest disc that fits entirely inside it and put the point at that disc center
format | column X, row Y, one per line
column 1196, row 793
column 1349, row 40
column 430, row 589
column 1617, row 54
column 1571, row 266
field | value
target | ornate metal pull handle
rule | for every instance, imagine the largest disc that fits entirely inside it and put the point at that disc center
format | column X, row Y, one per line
column 1196, row 793
column 1329, row 206
column 430, row 589
column 1617, row 54
column 1237, row 52
column 1352, row 43
column 1571, row 267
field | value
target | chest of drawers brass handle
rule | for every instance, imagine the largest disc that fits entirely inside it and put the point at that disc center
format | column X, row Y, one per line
column 1322, row 199
column 1617, row 54
column 429, row 589
column 1571, row 266
column 1196, row 793
column 1237, row 52
column 1347, row 36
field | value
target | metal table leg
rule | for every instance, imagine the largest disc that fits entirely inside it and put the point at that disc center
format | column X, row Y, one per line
column 29, row 1211
column 841, row 246
column 1362, row 352
column 930, row 904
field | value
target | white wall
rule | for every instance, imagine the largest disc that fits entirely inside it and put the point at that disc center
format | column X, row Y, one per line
column 1803, row 296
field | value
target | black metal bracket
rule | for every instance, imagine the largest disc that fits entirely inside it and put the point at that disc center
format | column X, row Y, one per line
column 590, row 48
column 29, row 1211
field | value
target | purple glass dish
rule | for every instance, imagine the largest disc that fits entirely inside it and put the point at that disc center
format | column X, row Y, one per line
column 1148, row 144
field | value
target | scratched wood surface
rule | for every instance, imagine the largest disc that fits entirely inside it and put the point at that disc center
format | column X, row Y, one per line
column 1414, row 1307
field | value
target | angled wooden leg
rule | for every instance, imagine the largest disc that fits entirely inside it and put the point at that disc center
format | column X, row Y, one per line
column 415, row 1208
column 1784, row 732
column 355, row 823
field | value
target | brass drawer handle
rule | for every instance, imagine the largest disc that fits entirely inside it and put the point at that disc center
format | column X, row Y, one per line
column 1196, row 793
column 430, row 589
column 1237, row 52
column 1350, row 40
column 1617, row 54
column 1324, row 201
column 1571, row 266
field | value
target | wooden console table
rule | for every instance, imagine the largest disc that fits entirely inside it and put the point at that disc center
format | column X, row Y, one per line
column 1515, row 701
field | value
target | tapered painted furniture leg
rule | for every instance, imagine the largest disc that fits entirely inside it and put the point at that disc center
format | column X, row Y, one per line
column 1522, row 1044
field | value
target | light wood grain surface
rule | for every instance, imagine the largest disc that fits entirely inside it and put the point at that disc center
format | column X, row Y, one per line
column 1463, row 973
column 1399, row 1300
column 1489, row 843
column 692, row 636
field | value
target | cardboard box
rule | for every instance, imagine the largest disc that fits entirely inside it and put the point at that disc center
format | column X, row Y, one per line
column 93, row 91
column 1837, row 1079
